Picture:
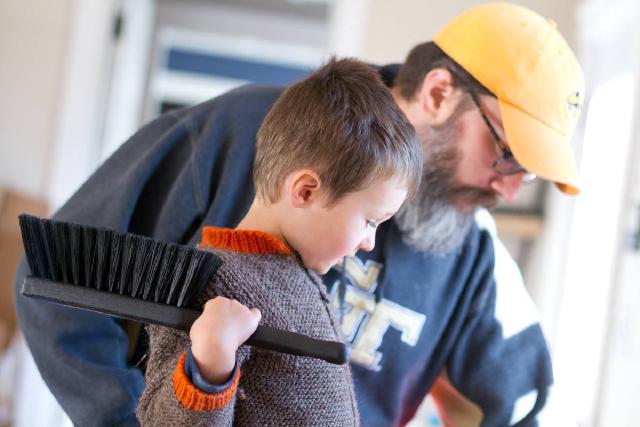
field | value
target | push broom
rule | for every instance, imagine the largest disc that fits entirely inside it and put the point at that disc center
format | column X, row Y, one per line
column 138, row 278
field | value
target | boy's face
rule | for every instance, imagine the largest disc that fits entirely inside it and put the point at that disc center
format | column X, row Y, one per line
column 324, row 235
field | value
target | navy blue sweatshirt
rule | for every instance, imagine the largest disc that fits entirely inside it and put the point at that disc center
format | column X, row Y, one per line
column 413, row 319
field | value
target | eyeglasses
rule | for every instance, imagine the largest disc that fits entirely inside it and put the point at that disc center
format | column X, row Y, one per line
column 506, row 164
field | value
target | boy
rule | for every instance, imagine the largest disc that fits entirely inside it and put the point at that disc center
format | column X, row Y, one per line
column 307, row 215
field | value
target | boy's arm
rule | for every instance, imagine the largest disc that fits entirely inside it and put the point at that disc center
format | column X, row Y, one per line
column 194, row 375
column 170, row 396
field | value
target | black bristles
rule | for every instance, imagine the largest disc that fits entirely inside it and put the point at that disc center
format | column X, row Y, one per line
column 164, row 275
column 116, row 262
column 33, row 245
column 129, row 250
column 89, row 244
column 181, row 264
column 157, row 252
column 141, row 266
column 190, row 273
column 75, row 252
column 124, row 264
column 46, row 230
column 103, row 258
column 202, row 267
column 61, row 239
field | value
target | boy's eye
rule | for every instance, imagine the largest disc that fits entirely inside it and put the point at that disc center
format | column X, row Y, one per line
column 372, row 224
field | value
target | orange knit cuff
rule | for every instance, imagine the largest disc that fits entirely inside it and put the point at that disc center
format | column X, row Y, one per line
column 195, row 399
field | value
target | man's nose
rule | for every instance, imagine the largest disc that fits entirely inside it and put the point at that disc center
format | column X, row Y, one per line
column 368, row 243
column 507, row 187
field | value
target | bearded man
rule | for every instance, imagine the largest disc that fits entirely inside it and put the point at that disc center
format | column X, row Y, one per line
column 494, row 98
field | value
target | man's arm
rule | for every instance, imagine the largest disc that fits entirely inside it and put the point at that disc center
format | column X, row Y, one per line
column 82, row 358
column 499, row 372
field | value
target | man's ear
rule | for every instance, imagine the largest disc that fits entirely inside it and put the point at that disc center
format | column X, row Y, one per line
column 303, row 188
column 439, row 96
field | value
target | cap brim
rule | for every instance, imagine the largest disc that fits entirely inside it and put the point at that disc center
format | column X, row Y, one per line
column 540, row 149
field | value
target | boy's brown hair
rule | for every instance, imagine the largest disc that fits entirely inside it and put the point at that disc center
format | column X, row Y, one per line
column 343, row 123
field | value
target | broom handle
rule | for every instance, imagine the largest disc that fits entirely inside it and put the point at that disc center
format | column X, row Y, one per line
column 174, row 317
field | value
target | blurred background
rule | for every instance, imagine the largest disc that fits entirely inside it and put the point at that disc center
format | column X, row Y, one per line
column 77, row 77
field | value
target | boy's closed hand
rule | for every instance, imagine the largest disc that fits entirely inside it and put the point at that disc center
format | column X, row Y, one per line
column 216, row 335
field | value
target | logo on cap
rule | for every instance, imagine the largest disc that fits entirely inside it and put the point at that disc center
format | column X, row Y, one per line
column 574, row 103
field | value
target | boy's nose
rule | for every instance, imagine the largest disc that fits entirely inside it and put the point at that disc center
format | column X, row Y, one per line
column 507, row 187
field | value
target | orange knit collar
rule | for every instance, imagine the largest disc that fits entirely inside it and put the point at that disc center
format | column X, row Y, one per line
column 244, row 241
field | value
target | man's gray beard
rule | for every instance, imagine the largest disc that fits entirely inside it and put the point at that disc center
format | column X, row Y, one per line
column 429, row 222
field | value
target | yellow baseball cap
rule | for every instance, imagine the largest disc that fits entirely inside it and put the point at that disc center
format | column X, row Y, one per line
column 522, row 58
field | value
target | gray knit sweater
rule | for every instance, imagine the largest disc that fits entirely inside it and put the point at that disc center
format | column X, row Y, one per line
column 270, row 388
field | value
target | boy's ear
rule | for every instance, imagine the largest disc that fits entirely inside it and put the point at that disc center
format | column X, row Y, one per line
column 303, row 188
column 439, row 96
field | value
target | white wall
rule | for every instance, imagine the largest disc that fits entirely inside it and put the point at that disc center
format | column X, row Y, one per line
column 83, row 100
column 33, row 37
column 49, row 79
column 597, row 347
column 393, row 27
